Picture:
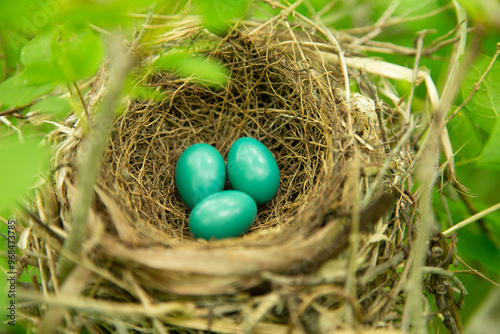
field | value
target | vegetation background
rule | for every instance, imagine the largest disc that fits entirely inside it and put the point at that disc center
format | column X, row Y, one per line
column 50, row 50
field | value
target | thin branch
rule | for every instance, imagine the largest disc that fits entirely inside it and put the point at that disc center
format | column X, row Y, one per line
column 92, row 152
column 90, row 158
column 446, row 273
column 427, row 172
column 472, row 270
column 17, row 111
column 143, row 32
column 380, row 23
column 353, row 182
column 46, row 227
column 472, row 219
column 395, row 21
column 101, row 306
column 331, row 38
column 416, row 65
column 82, row 101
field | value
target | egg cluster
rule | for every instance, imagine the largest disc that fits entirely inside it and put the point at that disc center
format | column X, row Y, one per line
column 200, row 176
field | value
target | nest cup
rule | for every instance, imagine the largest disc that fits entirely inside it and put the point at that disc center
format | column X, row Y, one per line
column 328, row 150
column 267, row 98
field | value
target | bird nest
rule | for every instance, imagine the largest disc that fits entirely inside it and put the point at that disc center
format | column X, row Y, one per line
column 323, row 255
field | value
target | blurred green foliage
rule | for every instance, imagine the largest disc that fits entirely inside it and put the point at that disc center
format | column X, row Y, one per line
column 216, row 14
column 204, row 70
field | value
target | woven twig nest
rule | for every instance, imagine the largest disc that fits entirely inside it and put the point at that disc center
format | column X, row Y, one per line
column 294, row 269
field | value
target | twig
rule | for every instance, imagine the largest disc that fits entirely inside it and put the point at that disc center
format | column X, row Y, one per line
column 84, row 105
column 378, row 26
column 92, row 151
column 331, row 38
column 442, row 39
column 446, row 273
column 418, row 55
column 46, row 227
column 472, row 219
column 395, row 21
column 17, row 110
column 100, row 306
column 353, row 184
column 474, row 271
column 284, row 12
column 427, row 174
column 143, row 32
column 472, row 210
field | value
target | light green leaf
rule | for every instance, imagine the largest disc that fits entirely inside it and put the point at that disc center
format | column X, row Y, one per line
column 141, row 92
column 491, row 153
column 81, row 13
column 38, row 58
column 17, row 92
column 13, row 42
column 21, row 164
column 56, row 105
column 204, row 70
column 464, row 136
column 479, row 246
column 484, row 106
column 40, row 72
column 62, row 56
column 38, row 49
column 216, row 14
column 81, row 55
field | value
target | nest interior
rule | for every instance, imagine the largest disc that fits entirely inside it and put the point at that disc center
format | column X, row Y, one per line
column 269, row 98
column 326, row 148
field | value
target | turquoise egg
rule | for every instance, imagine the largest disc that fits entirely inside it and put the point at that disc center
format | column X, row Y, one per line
column 224, row 214
column 200, row 172
column 251, row 168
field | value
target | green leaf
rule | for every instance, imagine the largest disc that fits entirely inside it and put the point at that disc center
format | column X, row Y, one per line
column 62, row 55
column 40, row 72
column 21, row 164
column 80, row 55
column 464, row 136
column 38, row 49
column 484, row 106
column 476, row 245
column 491, row 153
column 216, row 14
column 104, row 14
column 204, row 70
column 141, row 92
column 38, row 58
column 13, row 42
column 17, row 92
column 56, row 105
column 28, row 16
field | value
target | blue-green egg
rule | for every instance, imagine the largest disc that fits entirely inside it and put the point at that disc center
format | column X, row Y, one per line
column 200, row 172
column 251, row 168
column 225, row 214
